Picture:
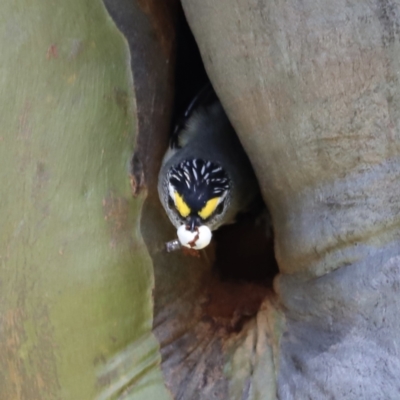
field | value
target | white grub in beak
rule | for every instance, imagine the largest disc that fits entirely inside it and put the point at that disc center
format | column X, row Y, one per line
column 197, row 240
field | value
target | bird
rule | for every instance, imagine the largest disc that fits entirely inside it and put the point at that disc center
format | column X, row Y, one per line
column 206, row 178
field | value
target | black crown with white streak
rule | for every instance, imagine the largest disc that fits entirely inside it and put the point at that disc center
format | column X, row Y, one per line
column 198, row 181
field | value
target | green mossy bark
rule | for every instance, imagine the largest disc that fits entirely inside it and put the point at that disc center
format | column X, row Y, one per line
column 75, row 277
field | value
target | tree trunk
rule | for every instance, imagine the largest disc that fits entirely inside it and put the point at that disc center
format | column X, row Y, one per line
column 312, row 89
column 76, row 309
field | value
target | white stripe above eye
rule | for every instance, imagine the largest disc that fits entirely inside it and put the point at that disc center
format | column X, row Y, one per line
column 171, row 191
column 222, row 197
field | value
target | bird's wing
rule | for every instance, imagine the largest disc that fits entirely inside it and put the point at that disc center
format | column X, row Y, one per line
column 203, row 99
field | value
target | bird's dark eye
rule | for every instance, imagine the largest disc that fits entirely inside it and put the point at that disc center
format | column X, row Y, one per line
column 219, row 209
column 170, row 202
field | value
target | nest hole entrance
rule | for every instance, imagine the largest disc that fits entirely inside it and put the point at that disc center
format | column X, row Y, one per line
column 245, row 251
column 244, row 255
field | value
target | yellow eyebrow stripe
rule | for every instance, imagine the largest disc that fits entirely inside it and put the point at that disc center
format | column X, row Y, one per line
column 181, row 206
column 209, row 208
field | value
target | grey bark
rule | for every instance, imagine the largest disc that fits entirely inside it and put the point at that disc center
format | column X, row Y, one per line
column 312, row 89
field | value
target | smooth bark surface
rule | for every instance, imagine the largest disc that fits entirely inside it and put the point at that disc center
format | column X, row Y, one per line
column 75, row 276
column 312, row 89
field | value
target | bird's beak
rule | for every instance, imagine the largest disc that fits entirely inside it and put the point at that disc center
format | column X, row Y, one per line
column 193, row 222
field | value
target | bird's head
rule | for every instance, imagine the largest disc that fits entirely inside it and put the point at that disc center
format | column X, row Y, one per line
column 198, row 193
